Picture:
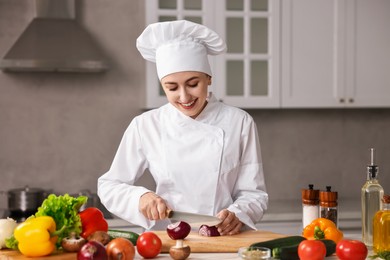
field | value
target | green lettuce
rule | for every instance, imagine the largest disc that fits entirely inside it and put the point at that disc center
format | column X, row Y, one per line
column 64, row 210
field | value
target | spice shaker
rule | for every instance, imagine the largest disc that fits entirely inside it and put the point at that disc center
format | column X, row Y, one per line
column 310, row 205
column 328, row 205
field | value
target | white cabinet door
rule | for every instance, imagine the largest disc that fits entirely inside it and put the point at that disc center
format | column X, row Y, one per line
column 368, row 53
column 312, row 68
column 335, row 53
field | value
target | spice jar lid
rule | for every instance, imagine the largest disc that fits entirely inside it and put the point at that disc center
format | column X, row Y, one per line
column 386, row 199
column 328, row 198
column 310, row 196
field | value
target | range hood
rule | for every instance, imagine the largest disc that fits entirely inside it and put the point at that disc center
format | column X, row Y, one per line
column 54, row 42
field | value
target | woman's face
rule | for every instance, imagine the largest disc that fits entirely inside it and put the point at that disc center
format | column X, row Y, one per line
column 187, row 91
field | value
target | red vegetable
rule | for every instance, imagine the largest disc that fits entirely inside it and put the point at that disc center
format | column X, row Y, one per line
column 178, row 230
column 120, row 248
column 351, row 250
column 311, row 250
column 208, row 231
column 92, row 219
column 149, row 245
column 92, row 250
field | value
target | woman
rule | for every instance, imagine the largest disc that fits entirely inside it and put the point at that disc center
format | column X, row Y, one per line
column 203, row 155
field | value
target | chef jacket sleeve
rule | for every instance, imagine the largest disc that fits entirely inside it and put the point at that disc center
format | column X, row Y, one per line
column 116, row 188
column 249, row 194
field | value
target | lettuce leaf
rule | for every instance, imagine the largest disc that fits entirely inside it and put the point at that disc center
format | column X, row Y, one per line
column 64, row 210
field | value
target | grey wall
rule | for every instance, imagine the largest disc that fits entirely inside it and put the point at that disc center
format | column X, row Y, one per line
column 61, row 131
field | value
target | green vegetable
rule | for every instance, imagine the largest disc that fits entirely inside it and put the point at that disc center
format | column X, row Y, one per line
column 124, row 234
column 11, row 243
column 280, row 242
column 383, row 255
column 64, row 210
column 291, row 252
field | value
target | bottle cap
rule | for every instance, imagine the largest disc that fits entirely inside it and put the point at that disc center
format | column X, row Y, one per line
column 328, row 198
column 386, row 199
column 310, row 196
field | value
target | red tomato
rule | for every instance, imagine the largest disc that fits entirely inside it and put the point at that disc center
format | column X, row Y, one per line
column 351, row 250
column 149, row 245
column 311, row 250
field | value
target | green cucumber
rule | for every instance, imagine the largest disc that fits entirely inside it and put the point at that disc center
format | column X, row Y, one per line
column 124, row 234
column 279, row 242
column 330, row 246
column 291, row 252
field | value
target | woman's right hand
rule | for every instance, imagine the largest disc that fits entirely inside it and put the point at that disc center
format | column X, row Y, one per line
column 152, row 206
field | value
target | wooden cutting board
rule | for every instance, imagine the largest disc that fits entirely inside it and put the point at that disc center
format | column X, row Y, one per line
column 6, row 254
column 221, row 244
column 198, row 244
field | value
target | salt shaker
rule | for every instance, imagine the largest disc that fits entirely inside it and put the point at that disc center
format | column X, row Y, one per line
column 328, row 205
column 310, row 205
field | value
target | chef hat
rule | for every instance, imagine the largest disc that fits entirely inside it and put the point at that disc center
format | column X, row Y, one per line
column 179, row 46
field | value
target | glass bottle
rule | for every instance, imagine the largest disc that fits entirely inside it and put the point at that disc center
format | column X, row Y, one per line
column 310, row 205
column 381, row 239
column 371, row 200
column 328, row 205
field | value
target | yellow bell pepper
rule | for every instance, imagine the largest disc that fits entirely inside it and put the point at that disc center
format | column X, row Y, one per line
column 35, row 236
column 322, row 228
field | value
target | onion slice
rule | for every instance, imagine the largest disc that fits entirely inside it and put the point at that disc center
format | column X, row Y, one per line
column 208, row 231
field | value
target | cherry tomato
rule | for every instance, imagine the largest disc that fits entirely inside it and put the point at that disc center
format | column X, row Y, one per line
column 351, row 250
column 149, row 245
column 311, row 250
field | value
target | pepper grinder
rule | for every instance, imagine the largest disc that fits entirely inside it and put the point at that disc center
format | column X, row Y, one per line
column 328, row 205
column 310, row 205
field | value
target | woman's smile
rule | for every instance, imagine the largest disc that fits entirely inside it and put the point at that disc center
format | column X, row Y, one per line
column 189, row 105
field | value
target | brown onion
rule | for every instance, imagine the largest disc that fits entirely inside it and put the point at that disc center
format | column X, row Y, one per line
column 120, row 248
column 208, row 231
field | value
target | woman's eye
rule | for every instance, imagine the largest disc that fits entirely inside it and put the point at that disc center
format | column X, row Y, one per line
column 193, row 85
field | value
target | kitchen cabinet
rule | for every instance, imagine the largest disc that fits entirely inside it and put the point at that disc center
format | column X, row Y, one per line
column 335, row 53
column 247, row 75
column 291, row 53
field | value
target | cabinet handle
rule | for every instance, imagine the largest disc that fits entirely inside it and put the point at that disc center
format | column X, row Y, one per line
column 351, row 100
column 342, row 100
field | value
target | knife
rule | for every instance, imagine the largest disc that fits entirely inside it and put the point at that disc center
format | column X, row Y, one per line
column 195, row 220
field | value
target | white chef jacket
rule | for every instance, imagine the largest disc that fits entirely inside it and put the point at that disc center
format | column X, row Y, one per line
column 200, row 165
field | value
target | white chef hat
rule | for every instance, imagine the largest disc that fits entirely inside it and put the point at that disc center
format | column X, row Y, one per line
column 179, row 46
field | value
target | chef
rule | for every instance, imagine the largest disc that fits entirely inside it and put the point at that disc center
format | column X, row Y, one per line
column 203, row 155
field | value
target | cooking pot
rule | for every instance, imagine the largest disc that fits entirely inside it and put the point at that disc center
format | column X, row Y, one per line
column 24, row 202
column 93, row 201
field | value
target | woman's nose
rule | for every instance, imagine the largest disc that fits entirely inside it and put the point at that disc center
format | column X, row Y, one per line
column 184, row 95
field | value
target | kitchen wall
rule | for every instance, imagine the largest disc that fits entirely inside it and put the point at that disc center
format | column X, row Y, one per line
column 61, row 131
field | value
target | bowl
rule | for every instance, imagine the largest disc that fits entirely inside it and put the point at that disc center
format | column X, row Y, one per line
column 254, row 253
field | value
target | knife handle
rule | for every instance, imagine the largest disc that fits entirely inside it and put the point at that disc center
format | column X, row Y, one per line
column 169, row 213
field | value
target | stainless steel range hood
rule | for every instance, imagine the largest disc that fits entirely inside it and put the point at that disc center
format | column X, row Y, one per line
column 54, row 42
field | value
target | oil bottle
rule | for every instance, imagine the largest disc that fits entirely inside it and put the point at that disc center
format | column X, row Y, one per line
column 381, row 239
column 371, row 200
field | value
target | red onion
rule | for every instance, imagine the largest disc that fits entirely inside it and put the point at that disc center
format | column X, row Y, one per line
column 208, row 231
column 92, row 250
column 178, row 230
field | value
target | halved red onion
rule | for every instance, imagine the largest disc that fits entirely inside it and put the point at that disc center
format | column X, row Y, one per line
column 178, row 230
column 208, row 231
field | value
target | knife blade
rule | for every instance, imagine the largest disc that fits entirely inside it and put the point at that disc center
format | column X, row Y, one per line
column 195, row 220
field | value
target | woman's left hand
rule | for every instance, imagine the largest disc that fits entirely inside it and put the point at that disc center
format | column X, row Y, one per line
column 230, row 224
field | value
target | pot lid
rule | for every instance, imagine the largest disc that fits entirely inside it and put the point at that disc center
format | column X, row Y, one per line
column 27, row 189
